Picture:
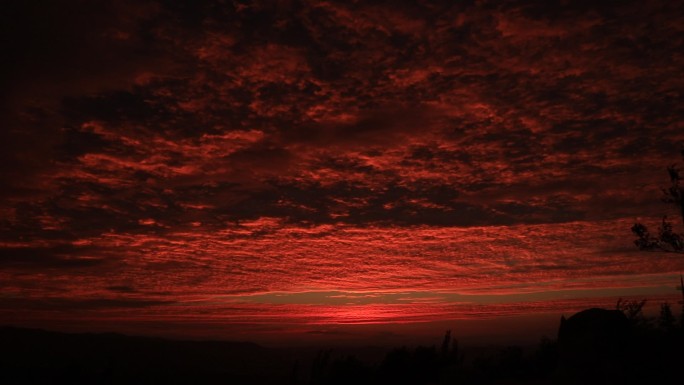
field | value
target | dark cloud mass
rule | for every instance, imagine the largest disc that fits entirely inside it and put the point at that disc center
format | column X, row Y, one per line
column 163, row 154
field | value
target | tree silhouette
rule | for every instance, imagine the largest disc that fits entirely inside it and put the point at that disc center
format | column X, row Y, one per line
column 633, row 310
column 667, row 239
column 666, row 320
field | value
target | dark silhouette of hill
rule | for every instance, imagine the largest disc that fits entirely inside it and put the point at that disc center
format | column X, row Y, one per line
column 31, row 356
column 594, row 346
column 598, row 346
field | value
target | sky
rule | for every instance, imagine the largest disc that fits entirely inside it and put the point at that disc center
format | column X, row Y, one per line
column 311, row 171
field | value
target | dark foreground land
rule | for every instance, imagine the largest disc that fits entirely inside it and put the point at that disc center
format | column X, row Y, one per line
column 595, row 346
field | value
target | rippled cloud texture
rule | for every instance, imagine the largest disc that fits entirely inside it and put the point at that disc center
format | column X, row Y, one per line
column 291, row 165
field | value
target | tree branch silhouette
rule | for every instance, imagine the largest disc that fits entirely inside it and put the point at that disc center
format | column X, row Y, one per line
column 666, row 239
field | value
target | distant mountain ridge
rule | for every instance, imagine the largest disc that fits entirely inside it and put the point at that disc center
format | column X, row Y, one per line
column 34, row 356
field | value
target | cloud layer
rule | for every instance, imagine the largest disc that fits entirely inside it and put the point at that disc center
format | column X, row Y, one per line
column 160, row 155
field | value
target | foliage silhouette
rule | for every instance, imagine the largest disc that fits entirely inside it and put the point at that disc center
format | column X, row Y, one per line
column 633, row 310
column 647, row 351
column 667, row 239
column 666, row 320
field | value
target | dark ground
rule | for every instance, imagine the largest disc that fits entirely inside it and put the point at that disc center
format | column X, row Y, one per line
column 591, row 348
